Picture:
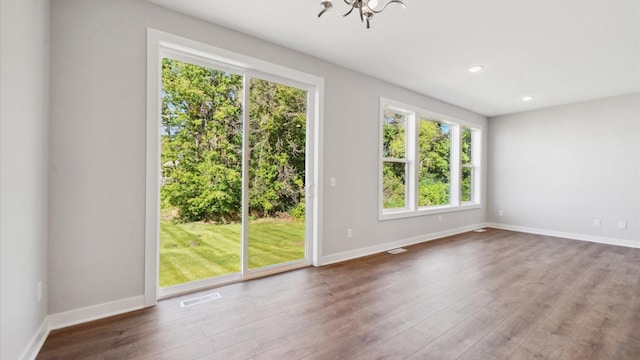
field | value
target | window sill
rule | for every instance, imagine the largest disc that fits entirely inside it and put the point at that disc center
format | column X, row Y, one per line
column 399, row 214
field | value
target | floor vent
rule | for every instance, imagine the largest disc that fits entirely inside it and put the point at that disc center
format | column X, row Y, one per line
column 479, row 230
column 200, row 300
column 397, row 251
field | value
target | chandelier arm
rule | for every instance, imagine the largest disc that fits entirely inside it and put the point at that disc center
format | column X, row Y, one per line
column 323, row 11
column 399, row 2
column 348, row 12
column 364, row 10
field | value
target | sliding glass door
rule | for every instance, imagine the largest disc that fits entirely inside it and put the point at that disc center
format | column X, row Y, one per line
column 234, row 163
column 277, row 147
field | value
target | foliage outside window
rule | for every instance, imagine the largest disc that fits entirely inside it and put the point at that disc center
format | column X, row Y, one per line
column 395, row 162
column 202, row 142
column 434, row 157
column 428, row 162
column 466, row 181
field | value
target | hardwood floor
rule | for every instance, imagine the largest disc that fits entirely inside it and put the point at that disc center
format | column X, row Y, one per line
column 474, row 296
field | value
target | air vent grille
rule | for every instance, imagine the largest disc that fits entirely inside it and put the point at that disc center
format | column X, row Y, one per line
column 200, row 300
column 397, row 251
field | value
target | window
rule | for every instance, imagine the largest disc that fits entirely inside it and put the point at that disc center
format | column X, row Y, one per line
column 429, row 162
column 466, row 181
column 434, row 160
column 394, row 162
column 210, row 113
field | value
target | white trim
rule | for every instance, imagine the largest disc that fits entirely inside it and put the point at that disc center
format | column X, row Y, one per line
column 198, row 285
column 381, row 106
column 570, row 236
column 413, row 116
column 432, row 210
column 317, row 187
column 152, row 181
column 222, row 280
column 78, row 316
column 95, row 312
column 455, row 165
column 194, row 57
column 246, row 158
column 220, row 55
column 38, row 339
column 159, row 43
column 476, row 166
column 83, row 315
column 275, row 269
column 411, row 168
column 428, row 114
column 353, row 254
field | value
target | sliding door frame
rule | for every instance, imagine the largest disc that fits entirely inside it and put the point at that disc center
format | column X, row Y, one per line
column 161, row 45
column 309, row 176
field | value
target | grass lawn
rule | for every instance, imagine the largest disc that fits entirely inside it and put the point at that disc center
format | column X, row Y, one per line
column 198, row 250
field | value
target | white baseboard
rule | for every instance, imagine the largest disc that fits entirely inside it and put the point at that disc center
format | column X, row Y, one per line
column 31, row 352
column 78, row 316
column 100, row 311
column 571, row 236
column 95, row 312
column 353, row 254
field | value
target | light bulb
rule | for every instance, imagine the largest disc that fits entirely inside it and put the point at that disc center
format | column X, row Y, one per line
column 372, row 4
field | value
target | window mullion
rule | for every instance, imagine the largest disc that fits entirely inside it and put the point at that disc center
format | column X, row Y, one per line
column 476, row 167
column 427, row 136
column 455, row 165
column 394, row 160
column 244, row 233
column 412, row 158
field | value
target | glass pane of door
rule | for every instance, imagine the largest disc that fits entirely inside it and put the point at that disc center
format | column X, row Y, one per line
column 201, row 164
column 276, row 184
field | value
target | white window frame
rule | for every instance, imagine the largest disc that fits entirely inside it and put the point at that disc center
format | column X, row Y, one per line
column 474, row 165
column 161, row 44
column 413, row 116
column 408, row 160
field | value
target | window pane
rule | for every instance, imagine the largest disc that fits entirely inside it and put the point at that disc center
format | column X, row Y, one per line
column 393, row 134
column 467, row 184
column 277, row 139
column 434, row 155
column 394, row 185
column 466, row 146
column 201, row 163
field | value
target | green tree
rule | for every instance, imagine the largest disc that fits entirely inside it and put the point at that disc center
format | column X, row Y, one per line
column 394, row 147
column 277, row 143
column 433, row 161
column 434, row 154
column 201, row 142
column 465, row 183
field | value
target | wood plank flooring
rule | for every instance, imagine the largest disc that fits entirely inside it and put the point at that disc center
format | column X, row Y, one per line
column 474, row 296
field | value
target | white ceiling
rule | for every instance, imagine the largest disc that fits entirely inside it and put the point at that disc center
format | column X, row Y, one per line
column 559, row 51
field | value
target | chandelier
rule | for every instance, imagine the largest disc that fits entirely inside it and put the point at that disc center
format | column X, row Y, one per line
column 366, row 8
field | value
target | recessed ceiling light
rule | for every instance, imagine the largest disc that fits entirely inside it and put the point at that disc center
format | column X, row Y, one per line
column 475, row 69
column 527, row 98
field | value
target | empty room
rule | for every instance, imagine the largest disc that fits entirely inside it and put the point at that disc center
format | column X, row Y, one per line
column 308, row 179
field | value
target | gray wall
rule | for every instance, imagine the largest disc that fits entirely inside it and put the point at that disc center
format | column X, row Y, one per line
column 24, row 118
column 561, row 168
column 97, row 177
column 555, row 169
